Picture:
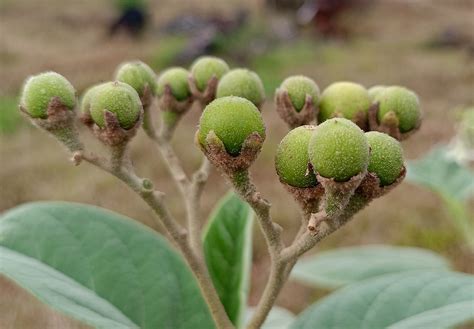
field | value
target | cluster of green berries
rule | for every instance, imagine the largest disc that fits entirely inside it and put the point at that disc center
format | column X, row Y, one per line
column 352, row 101
column 337, row 148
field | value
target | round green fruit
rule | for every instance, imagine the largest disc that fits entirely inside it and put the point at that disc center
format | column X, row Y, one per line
column 386, row 157
column 298, row 87
column 232, row 119
column 118, row 98
column 38, row 91
column 87, row 97
column 338, row 149
column 404, row 103
column 138, row 75
column 243, row 83
column 292, row 158
column 205, row 67
column 343, row 98
column 375, row 90
column 177, row 79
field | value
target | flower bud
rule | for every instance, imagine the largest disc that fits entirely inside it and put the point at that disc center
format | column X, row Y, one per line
column 243, row 83
column 401, row 103
column 345, row 99
column 339, row 150
column 205, row 67
column 386, row 157
column 177, row 79
column 292, row 158
column 86, row 99
column 39, row 90
column 138, row 75
column 232, row 119
column 298, row 87
column 118, row 98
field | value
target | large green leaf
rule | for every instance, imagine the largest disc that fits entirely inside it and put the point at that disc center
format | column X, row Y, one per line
column 386, row 300
column 442, row 174
column 278, row 318
column 335, row 268
column 99, row 267
column 228, row 252
column 439, row 318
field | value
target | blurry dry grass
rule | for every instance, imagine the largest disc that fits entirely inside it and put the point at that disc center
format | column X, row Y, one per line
column 388, row 49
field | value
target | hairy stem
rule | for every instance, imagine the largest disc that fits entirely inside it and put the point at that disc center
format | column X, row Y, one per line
column 154, row 199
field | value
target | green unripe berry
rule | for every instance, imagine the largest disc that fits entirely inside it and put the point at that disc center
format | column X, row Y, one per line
column 138, row 75
column 38, row 91
column 344, row 98
column 292, row 158
column 243, row 83
column 232, row 119
column 177, row 79
column 404, row 103
column 87, row 97
column 386, row 157
column 338, row 149
column 375, row 91
column 205, row 67
column 118, row 98
column 298, row 87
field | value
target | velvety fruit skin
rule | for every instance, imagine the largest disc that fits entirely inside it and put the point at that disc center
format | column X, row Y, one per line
column 298, row 87
column 375, row 90
column 38, row 91
column 292, row 158
column 232, row 119
column 138, row 75
column 205, row 67
column 177, row 78
column 118, row 98
column 87, row 97
column 243, row 83
column 386, row 157
column 338, row 149
column 347, row 98
column 404, row 103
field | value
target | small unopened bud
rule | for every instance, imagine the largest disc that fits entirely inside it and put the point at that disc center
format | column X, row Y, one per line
column 177, row 79
column 347, row 100
column 206, row 67
column 242, row 83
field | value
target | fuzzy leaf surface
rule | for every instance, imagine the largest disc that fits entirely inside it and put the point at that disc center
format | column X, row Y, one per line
column 98, row 266
column 228, row 253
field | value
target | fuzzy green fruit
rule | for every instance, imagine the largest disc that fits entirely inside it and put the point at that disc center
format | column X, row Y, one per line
column 338, row 149
column 345, row 98
column 298, row 87
column 138, row 75
column 205, row 67
column 375, row 91
column 404, row 103
column 38, row 91
column 177, row 78
column 243, row 83
column 87, row 97
column 118, row 98
column 386, row 157
column 292, row 158
column 232, row 119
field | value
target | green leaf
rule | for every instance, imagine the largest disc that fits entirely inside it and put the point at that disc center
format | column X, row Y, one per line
column 439, row 318
column 99, row 267
column 388, row 299
column 228, row 253
column 335, row 268
column 442, row 174
column 278, row 318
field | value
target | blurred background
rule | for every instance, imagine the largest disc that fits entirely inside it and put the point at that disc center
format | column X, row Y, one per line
column 425, row 45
